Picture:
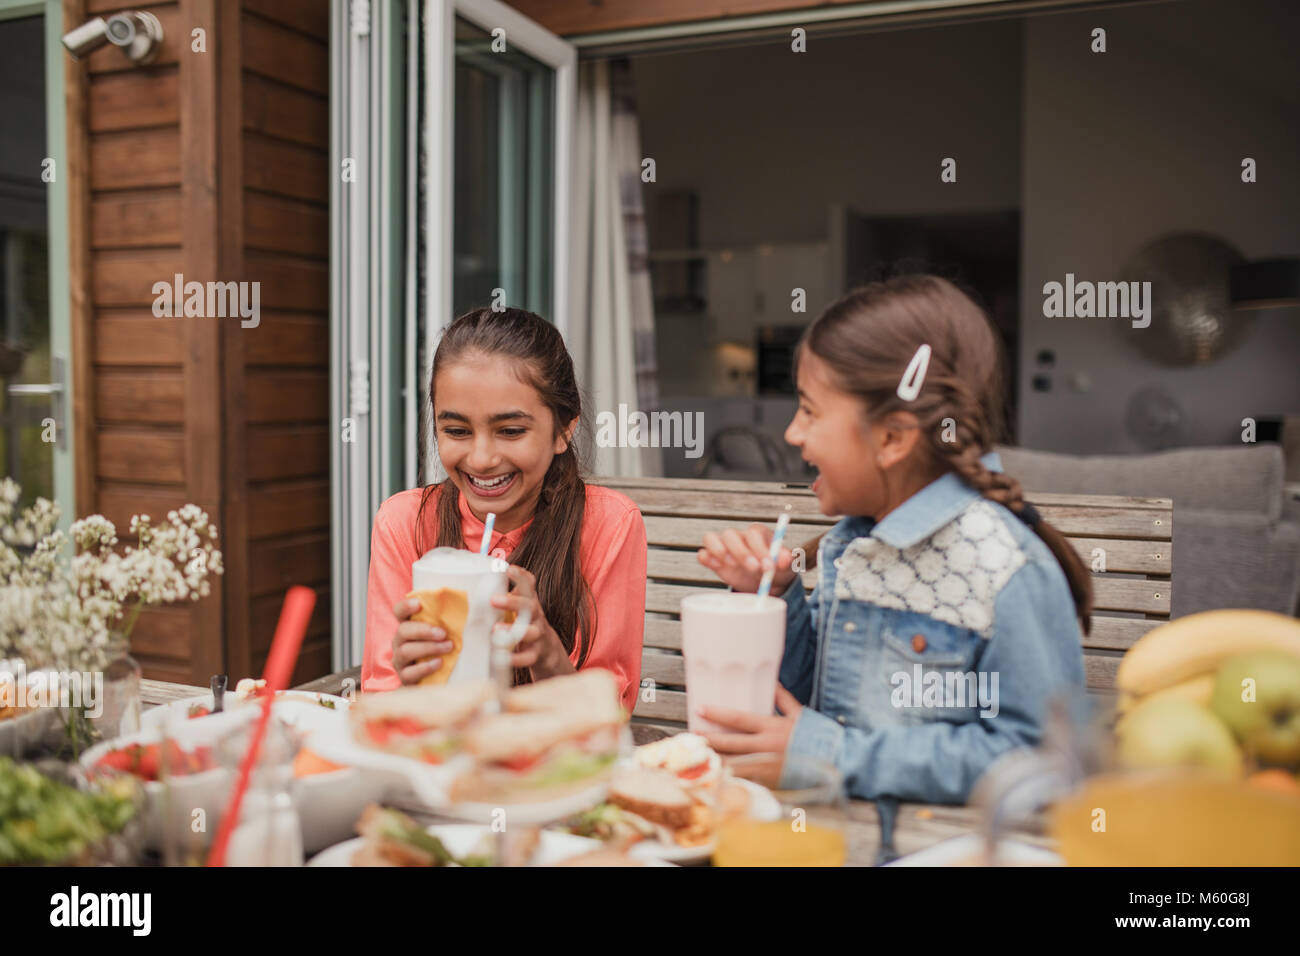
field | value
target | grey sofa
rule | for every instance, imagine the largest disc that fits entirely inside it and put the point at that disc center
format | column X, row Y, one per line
column 1236, row 534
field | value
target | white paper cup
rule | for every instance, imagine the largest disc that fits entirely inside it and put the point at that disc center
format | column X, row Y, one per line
column 733, row 645
column 480, row 577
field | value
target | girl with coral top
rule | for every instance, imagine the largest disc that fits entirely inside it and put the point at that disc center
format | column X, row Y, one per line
column 506, row 409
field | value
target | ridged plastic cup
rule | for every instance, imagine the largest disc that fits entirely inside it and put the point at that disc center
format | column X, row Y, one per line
column 480, row 577
column 732, row 644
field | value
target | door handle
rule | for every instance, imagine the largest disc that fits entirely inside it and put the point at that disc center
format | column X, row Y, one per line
column 57, row 392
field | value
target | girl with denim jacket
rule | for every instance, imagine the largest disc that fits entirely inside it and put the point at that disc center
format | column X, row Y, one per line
column 946, row 612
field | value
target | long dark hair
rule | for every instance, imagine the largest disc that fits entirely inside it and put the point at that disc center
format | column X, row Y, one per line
column 868, row 338
column 551, row 546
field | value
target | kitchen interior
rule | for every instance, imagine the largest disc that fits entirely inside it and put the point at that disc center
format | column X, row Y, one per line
column 1066, row 160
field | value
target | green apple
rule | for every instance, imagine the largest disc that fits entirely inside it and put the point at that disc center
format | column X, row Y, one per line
column 1267, row 722
column 1175, row 732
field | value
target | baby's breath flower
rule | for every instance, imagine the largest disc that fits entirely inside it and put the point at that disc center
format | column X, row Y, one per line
column 68, row 611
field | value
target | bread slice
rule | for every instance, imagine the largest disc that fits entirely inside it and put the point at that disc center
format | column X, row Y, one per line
column 444, row 706
column 447, row 608
column 593, row 691
column 601, row 857
column 503, row 736
column 654, row 795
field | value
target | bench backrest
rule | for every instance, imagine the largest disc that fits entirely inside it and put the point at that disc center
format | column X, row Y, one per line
column 1131, row 595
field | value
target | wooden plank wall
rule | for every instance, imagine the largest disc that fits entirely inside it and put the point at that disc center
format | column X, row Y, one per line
column 278, row 373
column 211, row 164
column 151, row 419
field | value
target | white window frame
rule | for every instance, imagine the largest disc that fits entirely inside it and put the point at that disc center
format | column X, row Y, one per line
column 539, row 43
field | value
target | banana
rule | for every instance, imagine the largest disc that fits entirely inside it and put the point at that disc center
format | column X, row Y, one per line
column 1195, row 645
column 1198, row 689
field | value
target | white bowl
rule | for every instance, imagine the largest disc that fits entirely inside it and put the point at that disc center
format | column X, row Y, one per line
column 26, row 732
column 328, row 804
column 296, row 707
column 194, row 803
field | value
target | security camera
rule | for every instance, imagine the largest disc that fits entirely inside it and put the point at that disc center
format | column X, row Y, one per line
column 138, row 35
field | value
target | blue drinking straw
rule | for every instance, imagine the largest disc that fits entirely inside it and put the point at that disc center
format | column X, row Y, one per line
column 782, row 523
column 487, row 533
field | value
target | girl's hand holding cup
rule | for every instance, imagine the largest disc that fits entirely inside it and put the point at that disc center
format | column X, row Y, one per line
column 740, row 558
column 539, row 647
column 417, row 648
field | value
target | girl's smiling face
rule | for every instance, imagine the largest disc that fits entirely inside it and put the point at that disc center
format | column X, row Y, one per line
column 830, row 431
column 864, row 468
column 496, row 437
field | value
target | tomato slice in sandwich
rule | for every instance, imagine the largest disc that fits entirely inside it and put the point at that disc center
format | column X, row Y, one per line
column 381, row 731
column 522, row 763
column 693, row 773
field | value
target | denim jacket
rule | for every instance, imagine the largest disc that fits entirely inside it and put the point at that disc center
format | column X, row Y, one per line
column 931, row 644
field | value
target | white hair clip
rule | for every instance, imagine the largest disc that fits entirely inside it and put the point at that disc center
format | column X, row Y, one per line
column 914, row 377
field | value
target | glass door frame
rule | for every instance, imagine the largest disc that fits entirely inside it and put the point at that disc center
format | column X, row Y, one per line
column 528, row 37
column 58, row 239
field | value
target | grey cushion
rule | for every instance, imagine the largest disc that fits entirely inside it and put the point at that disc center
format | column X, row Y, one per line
column 1222, row 479
column 1233, row 560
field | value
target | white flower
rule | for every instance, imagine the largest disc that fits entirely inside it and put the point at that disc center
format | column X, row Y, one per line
column 64, row 610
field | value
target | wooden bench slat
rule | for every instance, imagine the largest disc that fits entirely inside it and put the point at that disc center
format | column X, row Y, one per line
column 716, row 486
column 1117, row 633
column 667, row 705
column 668, row 531
column 1109, row 594
column 663, row 668
column 1099, row 669
column 686, row 516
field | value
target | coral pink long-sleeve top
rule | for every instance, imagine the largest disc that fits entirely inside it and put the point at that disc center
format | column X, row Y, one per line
column 613, row 560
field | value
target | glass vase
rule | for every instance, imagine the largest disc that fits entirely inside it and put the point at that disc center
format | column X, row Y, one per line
column 119, row 698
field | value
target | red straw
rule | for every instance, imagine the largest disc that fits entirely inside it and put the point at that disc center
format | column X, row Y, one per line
column 298, row 605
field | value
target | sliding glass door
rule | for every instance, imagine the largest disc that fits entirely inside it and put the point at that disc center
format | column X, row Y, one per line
column 500, row 94
column 451, row 127
column 35, row 421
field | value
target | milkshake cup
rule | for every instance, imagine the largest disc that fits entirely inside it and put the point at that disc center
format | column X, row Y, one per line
column 733, row 645
column 455, row 590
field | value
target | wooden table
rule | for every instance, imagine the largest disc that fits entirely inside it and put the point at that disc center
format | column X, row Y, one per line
column 918, row 825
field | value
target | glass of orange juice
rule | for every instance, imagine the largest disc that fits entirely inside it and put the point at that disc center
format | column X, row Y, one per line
column 810, row 829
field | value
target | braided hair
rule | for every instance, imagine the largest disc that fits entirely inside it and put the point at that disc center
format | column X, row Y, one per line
column 868, row 337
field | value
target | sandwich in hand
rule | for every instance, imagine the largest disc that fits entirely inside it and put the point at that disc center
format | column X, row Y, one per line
column 425, row 723
column 447, row 608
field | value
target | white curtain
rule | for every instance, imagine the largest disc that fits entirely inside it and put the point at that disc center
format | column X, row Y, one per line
column 611, row 323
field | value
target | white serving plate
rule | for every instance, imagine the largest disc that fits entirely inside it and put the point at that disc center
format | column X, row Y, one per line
column 461, row 838
column 533, row 814
column 428, row 783
column 954, row 851
column 431, row 784
column 296, row 708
